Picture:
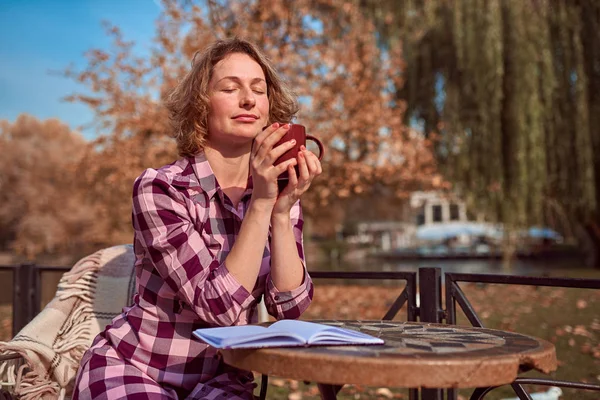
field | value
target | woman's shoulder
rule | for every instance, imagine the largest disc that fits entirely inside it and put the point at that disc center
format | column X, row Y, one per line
column 177, row 174
column 175, row 183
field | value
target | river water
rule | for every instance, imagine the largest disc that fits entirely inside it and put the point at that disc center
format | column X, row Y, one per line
column 556, row 268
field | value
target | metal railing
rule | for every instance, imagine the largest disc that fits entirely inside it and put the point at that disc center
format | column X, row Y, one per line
column 27, row 293
column 427, row 282
column 454, row 295
column 408, row 295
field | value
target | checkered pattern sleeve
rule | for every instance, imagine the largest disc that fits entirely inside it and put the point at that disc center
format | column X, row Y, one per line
column 293, row 303
column 164, row 226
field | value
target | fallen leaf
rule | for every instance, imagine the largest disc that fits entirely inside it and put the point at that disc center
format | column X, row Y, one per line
column 295, row 396
column 581, row 331
column 385, row 392
column 313, row 390
column 277, row 382
column 581, row 304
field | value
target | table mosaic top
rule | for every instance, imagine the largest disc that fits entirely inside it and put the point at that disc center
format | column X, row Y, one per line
column 414, row 355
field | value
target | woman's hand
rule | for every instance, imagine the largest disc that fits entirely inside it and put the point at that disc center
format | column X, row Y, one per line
column 262, row 157
column 309, row 168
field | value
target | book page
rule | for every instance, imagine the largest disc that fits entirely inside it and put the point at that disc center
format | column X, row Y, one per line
column 315, row 333
column 339, row 335
column 288, row 340
column 247, row 336
column 218, row 337
column 301, row 328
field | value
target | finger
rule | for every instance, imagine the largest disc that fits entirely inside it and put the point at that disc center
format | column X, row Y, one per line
column 303, row 169
column 292, row 181
column 259, row 139
column 275, row 136
column 278, row 151
column 313, row 163
column 292, row 176
column 269, row 141
column 320, row 170
column 280, row 169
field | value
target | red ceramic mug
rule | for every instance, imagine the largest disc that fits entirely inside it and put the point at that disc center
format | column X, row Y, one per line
column 297, row 132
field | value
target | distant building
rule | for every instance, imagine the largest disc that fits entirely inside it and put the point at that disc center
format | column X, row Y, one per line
column 385, row 235
column 431, row 207
column 434, row 224
column 424, row 208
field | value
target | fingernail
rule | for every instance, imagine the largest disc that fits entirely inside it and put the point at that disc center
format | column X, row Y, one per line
column 293, row 141
column 276, row 125
column 302, row 147
column 287, row 126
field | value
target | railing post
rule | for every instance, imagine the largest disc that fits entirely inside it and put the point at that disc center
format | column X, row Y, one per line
column 26, row 297
column 430, row 292
column 430, row 310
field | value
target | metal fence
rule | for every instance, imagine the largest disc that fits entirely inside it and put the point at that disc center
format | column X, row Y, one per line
column 27, row 293
column 454, row 295
column 427, row 282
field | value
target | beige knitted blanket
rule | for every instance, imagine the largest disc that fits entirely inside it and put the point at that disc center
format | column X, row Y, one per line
column 88, row 297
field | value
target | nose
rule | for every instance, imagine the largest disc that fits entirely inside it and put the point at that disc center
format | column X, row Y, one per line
column 247, row 99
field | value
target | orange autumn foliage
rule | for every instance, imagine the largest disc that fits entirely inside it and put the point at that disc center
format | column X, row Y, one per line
column 43, row 206
column 326, row 49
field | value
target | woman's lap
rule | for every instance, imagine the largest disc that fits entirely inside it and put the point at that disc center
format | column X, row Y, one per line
column 104, row 375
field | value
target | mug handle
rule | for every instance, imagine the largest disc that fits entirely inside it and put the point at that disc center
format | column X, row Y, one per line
column 318, row 142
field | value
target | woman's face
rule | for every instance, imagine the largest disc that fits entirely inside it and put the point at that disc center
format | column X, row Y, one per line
column 239, row 106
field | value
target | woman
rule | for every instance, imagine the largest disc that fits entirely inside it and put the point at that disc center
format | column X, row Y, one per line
column 212, row 235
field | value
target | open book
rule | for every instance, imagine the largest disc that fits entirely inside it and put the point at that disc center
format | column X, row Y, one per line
column 284, row 333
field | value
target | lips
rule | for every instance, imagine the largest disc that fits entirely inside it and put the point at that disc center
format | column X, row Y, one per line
column 246, row 117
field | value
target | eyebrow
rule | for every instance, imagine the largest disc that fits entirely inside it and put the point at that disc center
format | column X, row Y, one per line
column 237, row 79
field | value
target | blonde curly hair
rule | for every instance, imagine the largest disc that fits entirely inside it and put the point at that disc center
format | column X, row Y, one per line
column 188, row 103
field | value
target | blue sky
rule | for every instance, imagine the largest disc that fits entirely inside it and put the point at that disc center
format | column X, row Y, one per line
column 39, row 36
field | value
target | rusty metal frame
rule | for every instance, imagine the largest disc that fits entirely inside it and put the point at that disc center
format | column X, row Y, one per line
column 407, row 296
column 27, row 291
column 454, row 294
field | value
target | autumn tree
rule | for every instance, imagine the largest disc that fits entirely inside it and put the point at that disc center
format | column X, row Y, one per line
column 43, row 209
column 326, row 49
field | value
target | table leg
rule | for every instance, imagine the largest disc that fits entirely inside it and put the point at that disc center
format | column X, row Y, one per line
column 328, row 392
column 431, row 394
column 480, row 392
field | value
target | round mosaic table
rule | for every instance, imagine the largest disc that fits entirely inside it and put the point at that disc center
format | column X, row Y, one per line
column 414, row 355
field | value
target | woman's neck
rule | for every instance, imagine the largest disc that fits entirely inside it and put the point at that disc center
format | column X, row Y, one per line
column 231, row 167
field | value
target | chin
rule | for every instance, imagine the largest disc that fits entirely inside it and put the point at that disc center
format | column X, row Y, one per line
column 249, row 131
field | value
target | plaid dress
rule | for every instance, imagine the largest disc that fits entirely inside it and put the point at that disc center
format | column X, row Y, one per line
column 184, row 228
